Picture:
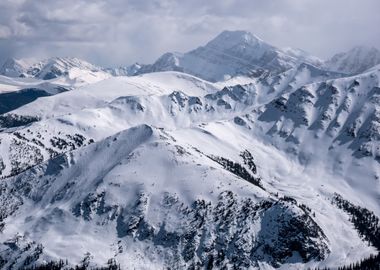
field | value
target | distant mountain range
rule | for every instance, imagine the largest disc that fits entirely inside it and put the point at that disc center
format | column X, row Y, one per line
column 231, row 53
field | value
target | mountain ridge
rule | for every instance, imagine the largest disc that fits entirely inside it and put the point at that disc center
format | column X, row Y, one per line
column 167, row 169
column 245, row 51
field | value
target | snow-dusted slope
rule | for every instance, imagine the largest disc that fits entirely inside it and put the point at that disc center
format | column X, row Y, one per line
column 167, row 99
column 10, row 84
column 355, row 61
column 165, row 169
column 98, row 94
column 15, row 92
column 187, row 209
column 342, row 111
column 27, row 82
column 214, row 176
column 229, row 54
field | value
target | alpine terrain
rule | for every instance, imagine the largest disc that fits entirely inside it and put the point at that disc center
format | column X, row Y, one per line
column 235, row 155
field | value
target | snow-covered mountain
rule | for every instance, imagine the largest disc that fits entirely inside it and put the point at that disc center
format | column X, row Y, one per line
column 58, row 66
column 343, row 111
column 229, row 54
column 15, row 67
column 277, row 168
column 24, row 81
column 354, row 61
column 53, row 68
column 234, row 53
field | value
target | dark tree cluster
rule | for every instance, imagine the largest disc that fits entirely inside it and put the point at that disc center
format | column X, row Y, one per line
column 237, row 170
column 58, row 265
column 364, row 220
column 71, row 143
column 248, row 160
column 370, row 263
column 14, row 120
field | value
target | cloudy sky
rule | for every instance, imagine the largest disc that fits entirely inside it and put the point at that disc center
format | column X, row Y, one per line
column 120, row 32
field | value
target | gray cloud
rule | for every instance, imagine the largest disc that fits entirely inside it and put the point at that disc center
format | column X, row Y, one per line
column 119, row 32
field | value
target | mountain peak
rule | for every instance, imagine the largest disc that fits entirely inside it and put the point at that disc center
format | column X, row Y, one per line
column 242, row 35
column 356, row 60
column 232, row 38
column 67, row 61
column 13, row 67
column 228, row 54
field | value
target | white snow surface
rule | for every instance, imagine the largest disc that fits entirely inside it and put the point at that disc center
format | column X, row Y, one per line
column 121, row 151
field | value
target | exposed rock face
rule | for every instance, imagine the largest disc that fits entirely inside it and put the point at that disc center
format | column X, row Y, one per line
column 26, row 149
column 210, row 235
column 216, row 235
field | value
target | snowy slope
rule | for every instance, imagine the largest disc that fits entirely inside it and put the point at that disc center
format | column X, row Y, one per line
column 263, row 85
column 10, row 84
column 138, row 215
column 16, row 91
column 98, row 94
column 344, row 111
column 166, row 169
column 54, row 86
column 197, row 125
column 167, row 99
column 50, row 75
